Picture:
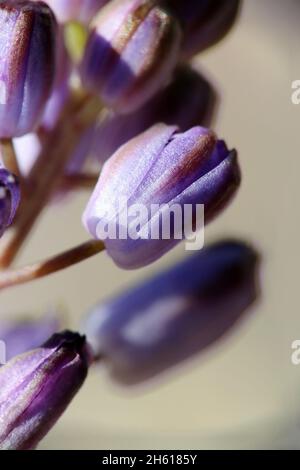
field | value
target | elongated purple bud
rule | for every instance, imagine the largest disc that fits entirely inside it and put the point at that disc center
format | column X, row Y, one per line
column 9, row 198
column 27, row 64
column 204, row 22
column 150, row 328
column 189, row 100
column 36, row 387
column 26, row 334
column 130, row 53
column 75, row 10
column 160, row 170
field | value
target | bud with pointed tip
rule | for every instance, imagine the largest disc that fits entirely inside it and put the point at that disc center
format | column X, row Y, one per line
column 36, row 388
column 150, row 328
column 159, row 169
column 27, row 64
column 131, row 53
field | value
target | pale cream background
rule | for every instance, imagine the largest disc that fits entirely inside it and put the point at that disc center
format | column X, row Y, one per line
column 244, row 392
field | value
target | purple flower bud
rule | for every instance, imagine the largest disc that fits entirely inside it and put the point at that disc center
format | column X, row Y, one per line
column 159, row 170
column 77, row 10
column 36, row 387
column 178, row 313
column 9, row 198
column 27, row 64
column 130, row 53
column 189, row 100
column 24, row 335
column 204, row 22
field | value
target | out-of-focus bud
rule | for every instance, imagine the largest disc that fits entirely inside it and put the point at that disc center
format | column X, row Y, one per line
column 76, row 10
column 204, row 22
column 27, row 64
column 178, row 313
column 9, row 198
column 28, row 149
column 156, row 175
column 130, row 53
column 36, row 387
column 188, row 101
column 26, row 334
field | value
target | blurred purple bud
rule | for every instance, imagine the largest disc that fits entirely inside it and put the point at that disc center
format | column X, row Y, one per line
column 9, row 198
column 189, row 100
column 178, row 313
column 159, row 170
column 75, row 10
column 27, row 64
column 24, row 335
column 36, row 387
column 29, row 146
column 204, row 22
column 131, row 53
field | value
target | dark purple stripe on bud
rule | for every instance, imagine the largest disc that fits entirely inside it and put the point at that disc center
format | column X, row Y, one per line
column 131, row 53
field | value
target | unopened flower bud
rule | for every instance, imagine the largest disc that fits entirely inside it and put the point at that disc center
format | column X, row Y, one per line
column 25, row 334
column 163, row 172
column 178, row 313
column 27, row 64
column 204, row 22
column 36, row 387
column 9, row 198
column 130, row 54
column 189, row 100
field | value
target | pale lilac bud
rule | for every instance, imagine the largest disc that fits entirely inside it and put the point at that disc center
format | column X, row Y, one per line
column 159, row 170
column 28, row 149
column 36, row 387
column 189, row 100
column 131, row 53
column 180, row 312
column 27, row 64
